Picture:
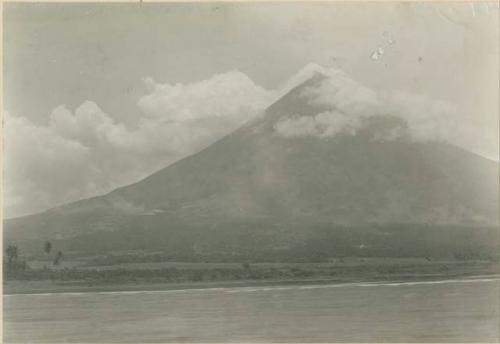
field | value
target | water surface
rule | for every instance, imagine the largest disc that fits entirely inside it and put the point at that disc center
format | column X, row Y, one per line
column 446, row 311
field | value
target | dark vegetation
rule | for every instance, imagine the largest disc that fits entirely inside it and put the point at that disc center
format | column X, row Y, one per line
column 11, row 260
column 257, row 242
column 251, row 253
column 253, row 272
column 136, row 268
column 13, row 264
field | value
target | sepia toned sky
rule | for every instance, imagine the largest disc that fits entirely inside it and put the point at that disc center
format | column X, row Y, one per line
column 100, row 95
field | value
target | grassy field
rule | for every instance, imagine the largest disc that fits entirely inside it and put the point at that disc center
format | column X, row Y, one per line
column 91, row 263
column 85, row 275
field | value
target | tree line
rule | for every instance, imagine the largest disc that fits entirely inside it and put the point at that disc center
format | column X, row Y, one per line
column 12, row 254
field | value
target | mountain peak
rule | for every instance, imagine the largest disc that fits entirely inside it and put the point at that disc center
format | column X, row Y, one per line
column 311, row 71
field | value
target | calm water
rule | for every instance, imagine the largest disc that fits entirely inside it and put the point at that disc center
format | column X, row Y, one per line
column 449, row 311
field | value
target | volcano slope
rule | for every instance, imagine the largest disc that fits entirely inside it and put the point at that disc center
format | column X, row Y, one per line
column 315, row 176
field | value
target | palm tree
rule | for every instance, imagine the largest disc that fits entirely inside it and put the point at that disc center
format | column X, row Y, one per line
column 58, row 258
column 47, row 247
column 12, row 253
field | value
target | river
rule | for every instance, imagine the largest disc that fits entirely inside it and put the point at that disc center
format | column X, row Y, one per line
column 440, row 311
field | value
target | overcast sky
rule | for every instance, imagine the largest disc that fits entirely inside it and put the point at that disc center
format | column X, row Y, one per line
column 100, row 95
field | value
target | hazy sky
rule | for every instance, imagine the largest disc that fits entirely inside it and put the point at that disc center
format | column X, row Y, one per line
column 100, row 95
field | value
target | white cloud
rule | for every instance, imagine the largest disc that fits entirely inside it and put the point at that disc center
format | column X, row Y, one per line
column 36, row 161
column 230, row 94
column 427, row 119
column 324, row 124
column 352, row 103
column 84, row 152
column 341, row 92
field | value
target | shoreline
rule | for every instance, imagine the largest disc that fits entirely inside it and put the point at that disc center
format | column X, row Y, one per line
column 51, row 287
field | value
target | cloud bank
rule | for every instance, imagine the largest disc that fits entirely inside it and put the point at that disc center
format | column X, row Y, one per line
column 85, row 152
column 323, row 125
column 352, row 104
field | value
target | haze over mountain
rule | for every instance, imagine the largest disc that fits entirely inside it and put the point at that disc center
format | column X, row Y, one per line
column 330, row 168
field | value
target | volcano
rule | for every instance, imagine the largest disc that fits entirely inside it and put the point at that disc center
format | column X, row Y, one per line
column 314, row 176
